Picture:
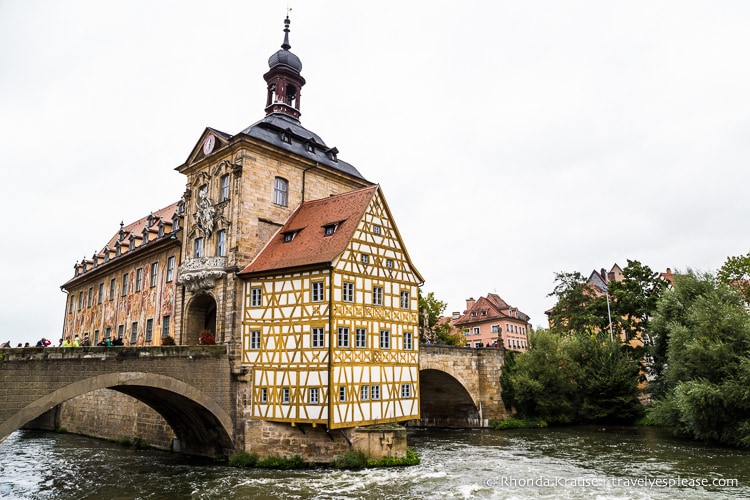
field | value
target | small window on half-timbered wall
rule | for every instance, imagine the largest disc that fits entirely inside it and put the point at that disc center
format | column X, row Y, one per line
column 255, row 339
column 318, row 291
column 408, row 341
column 280, row 191
column 255, row 297
column 317, row 337
column 405, row 302
column 348, row 291
column 314, row 395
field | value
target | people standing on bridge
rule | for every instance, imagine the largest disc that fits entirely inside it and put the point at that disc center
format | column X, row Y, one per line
column 76, row 341
column 118, row 341
column 86, row 342
column 43, row 343
column 6, row 345
column 67, row 342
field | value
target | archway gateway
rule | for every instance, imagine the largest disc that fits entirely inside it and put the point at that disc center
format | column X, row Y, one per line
column 201, row 316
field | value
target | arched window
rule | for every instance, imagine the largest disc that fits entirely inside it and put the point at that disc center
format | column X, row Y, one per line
column 280, row 190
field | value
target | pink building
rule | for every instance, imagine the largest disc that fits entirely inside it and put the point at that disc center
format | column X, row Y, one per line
column 490, row 321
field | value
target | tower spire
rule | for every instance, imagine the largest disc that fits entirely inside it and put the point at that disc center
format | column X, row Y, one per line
column 284, row 79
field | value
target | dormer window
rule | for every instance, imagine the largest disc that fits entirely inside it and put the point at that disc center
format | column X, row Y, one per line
column 310, row 146
column 289, row 236
column 333, row 154
column 329, row 229
column 286, row 137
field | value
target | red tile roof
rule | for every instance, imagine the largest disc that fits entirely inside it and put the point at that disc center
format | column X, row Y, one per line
column 309, row 245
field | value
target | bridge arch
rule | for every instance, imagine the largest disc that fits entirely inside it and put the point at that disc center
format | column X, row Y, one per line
column 445, row 400
column 201, row 425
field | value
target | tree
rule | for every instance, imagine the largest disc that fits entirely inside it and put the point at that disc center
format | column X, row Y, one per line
column 582, row 309
column 574, row 311
column 432, row 327
column 706, row 380
column 736, row 273
column 573, row 379
column 634, row 298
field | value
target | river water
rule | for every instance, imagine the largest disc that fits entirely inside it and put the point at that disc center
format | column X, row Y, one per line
column 569, row 463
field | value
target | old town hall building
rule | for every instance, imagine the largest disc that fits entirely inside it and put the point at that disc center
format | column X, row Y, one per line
column 282, row 251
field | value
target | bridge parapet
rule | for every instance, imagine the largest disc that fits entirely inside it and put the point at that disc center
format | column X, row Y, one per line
column 113, row 352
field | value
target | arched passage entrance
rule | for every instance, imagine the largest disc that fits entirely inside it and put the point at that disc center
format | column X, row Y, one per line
column 445, row 402
column 201, row 315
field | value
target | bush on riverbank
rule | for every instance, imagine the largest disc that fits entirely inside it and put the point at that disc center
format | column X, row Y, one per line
column 357, row 459
column 517, row 423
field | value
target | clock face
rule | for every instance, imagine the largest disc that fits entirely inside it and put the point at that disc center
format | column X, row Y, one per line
column 208, row 144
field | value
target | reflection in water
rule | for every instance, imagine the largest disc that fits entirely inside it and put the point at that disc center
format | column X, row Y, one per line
column 575, row 463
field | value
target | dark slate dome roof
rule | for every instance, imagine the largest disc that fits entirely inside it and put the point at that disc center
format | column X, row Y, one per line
column 285, row 58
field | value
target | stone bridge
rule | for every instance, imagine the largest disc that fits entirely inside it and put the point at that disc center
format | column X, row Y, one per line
column 193, row 388
column 460, row 387
column 190, row 386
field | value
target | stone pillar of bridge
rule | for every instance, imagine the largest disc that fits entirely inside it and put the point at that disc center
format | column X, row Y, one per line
column 490, row 366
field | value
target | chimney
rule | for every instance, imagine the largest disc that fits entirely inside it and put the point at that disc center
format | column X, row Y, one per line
column 456, row 315
column 470, row 303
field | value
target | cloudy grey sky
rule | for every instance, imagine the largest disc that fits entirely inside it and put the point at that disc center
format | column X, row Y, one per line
column 512, row 139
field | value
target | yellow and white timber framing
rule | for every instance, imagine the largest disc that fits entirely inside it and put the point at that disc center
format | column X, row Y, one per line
column 338, row 344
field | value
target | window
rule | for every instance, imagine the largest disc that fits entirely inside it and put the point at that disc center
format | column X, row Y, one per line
column 149, row 329
column 389, row 263
column 90, row 296
column 365, row 258
column 317, row 291
column 377, row 295
column 120, row 331
column 170, row 268
column 100, row 298
column 255, row 297
column 408, row 341
column 96, row 337
column 280, row 190
column 112, row 288
column 376, row 229
column 285, row 396
column 375, row 392
column 405, row 390
column 255, row 339
column 138, row 279
column 342, row 393
column 165, row 326
column 348, row 292
column 317, row 337
column 198, row 248
column 71, row 304
column 264, row 395
column 80, row 300
column 361, row 337
column 495, row 329
column 107, row 332
column 405, row 302
column 313, row 396
column 154, row 273
column 289, row 236
column 329, row 229
column 364, row 392
column 134, row 332
column 343, row 338
column 385, row 339
column 467, row 331
column 221, row 243
column 476, row 330
column 224, row 194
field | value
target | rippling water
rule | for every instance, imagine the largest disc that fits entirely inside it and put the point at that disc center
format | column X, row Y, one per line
column 574, row 463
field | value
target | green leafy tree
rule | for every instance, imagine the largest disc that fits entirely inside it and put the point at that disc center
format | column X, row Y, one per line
column 634, row 298
column 706, row 379
column 564, row 379
column 575, row 310
column 736, row 273
column 433, row 329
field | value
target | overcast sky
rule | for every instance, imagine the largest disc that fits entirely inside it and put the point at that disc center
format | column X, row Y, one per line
column 512, row 139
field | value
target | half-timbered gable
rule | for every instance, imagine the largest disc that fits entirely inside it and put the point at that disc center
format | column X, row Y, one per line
column 330, row 317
